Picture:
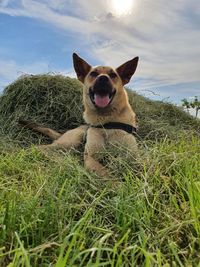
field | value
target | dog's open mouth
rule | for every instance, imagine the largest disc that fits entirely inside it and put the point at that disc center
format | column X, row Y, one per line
column 101, row 101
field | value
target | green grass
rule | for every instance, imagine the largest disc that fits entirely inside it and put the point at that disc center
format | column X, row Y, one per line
column 54, row 213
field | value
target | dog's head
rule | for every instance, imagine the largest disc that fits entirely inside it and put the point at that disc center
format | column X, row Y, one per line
column 103, row 85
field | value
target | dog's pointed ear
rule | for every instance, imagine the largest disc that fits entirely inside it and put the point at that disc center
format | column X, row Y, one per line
column 127, row 70
column 81, row 67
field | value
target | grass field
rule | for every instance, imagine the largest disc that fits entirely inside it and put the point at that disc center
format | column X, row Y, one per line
column 55, row 213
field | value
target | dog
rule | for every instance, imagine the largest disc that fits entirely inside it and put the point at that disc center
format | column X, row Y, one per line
column 108, row 115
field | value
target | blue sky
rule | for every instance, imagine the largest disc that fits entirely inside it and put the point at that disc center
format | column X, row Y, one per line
column 40, row 36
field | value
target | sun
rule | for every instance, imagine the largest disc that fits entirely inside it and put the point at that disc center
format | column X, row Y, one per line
column 122, row 7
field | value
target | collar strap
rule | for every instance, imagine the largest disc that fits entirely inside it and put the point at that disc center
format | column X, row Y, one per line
column 117, row 125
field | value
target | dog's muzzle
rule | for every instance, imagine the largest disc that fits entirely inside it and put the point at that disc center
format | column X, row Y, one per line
column 102, row 92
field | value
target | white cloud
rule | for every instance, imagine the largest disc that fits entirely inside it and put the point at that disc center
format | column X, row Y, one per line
column 4, row 3
column 10, row 69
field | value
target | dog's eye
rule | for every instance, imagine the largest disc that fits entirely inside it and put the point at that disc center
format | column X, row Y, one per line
column 113, row 75
column 93, row 74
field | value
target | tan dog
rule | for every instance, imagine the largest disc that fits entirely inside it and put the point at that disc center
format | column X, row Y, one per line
column 108, row 114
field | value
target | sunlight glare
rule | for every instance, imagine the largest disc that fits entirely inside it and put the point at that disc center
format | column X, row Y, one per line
column 122, row 7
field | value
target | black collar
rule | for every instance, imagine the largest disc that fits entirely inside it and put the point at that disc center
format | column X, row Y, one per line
column 117, row 125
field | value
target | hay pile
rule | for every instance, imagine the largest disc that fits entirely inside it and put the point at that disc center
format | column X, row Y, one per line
column 56, row 101
column 157, row 119
column 52, row 100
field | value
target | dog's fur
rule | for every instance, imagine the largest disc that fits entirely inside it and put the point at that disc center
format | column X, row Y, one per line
column 105, row 100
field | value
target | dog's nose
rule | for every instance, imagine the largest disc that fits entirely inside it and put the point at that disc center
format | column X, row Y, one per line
column 103, row 79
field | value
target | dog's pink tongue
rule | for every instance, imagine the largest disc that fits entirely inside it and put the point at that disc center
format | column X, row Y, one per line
column 101, row 101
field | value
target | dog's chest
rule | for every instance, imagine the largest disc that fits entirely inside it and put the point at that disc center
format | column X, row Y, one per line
column 105, row 137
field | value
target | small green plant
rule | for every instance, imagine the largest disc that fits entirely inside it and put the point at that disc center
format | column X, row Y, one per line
column 195, row 104
column 186, row 104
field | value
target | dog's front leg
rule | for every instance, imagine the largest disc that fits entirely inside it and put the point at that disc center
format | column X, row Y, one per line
column 94, row 144
column 71, row 139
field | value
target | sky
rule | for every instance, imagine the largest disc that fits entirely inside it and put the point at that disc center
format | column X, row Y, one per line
column 39, row 36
